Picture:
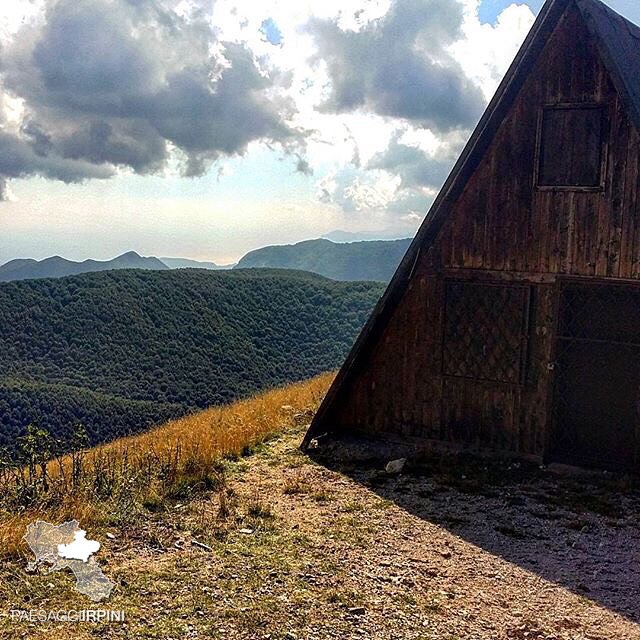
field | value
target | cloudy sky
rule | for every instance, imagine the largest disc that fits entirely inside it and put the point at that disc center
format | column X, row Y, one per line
column 205, row 128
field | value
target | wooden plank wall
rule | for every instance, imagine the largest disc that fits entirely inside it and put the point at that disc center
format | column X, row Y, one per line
column 391, row 394
column 503, row 228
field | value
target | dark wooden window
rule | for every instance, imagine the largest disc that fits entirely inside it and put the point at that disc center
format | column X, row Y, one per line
column 485, row 331
column 570, row 146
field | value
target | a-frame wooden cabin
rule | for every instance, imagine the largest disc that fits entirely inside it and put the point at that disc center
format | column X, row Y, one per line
column 513, row 322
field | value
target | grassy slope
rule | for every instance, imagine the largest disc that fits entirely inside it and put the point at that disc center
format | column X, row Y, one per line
column 117, row 482
column 299, row 551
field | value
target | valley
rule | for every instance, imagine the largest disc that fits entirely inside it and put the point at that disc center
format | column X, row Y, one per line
column 119, row 351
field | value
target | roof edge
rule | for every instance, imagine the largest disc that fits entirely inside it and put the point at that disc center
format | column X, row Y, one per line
column 589, row 9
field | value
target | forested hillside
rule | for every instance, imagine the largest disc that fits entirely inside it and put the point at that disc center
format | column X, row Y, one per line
column 120, row 350
column 369, row 260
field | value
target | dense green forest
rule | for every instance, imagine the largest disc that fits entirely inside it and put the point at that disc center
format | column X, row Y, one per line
column 121, row 350
column 368, row 260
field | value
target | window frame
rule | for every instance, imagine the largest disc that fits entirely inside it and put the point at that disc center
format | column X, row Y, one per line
column 604, row 145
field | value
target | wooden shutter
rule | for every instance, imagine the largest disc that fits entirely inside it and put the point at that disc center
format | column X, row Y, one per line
column 570, row 147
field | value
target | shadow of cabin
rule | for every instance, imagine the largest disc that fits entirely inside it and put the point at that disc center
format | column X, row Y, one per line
column 581, row 532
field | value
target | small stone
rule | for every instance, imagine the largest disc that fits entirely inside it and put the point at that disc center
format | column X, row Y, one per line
column 111, row 536
column 247, row 532
column 201, row 545
column 395, row 466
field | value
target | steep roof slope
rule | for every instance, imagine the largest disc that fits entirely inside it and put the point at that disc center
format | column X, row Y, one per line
column 619, row 45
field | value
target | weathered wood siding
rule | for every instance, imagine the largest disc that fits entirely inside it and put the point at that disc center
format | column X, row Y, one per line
column 503, row 223
column 503, row 228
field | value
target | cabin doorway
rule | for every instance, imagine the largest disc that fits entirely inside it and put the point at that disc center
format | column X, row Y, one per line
column 597, row 376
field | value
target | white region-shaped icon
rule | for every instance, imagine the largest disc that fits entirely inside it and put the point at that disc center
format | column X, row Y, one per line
column 65, row 546
column 80, row 548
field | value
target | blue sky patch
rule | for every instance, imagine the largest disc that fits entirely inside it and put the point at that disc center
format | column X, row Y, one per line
column 490, row 9
column 271, row 31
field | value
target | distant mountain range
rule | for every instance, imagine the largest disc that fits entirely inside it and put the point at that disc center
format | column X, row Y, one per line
column 57, row 267
column 186, row 263
column 366, row 260
column 369, row 260
column 338, row 235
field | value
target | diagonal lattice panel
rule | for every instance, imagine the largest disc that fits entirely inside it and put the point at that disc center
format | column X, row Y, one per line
column 600, row 312
column 485, row 331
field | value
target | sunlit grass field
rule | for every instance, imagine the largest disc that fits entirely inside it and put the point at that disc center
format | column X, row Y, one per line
column 115, row 482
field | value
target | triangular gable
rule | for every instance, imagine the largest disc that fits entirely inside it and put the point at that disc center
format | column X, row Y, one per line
column 618, row 42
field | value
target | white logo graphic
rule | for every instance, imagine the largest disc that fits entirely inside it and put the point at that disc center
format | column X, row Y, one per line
column 66, row 547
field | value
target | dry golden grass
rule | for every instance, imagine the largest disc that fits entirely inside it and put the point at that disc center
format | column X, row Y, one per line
column 114, row 480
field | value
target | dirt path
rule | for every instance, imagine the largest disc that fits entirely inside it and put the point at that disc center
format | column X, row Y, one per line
column 307, row 552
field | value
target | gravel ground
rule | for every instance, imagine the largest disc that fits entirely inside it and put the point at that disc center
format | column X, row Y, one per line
column 440, row 551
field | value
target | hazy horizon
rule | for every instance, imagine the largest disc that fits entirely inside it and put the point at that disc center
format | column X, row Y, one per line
column 357, row 237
